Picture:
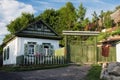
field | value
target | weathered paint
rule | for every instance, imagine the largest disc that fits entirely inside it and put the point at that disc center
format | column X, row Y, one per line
column 12, row 52
column 17, row 47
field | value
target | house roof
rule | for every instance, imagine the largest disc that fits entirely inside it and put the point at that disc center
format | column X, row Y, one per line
column 110, row 29
column 115, row 16
column 115, row 38
column 37, row 29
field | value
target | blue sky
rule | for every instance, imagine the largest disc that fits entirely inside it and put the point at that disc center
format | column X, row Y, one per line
column 11, row 9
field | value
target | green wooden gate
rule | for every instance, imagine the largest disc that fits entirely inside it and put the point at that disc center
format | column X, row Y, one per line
column 110, row 58
column 80, row 52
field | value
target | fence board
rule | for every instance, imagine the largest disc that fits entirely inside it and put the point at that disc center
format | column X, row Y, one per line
column 86, row 53
column 37, row 60
column 110, row 58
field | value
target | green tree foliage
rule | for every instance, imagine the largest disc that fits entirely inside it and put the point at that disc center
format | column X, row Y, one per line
column 20, row 22
column 95, row 21
column 81, row 20
column 7, row 36
column 117, row 8
column 95, row 16
column 50, row 17
column 102, row 18
column 67, row 16
column 107, row 19
column 81, row 12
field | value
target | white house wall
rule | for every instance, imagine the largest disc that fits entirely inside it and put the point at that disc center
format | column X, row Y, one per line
column 118, row 52
column 12, row 52
column 16, row 47
column 22, row 41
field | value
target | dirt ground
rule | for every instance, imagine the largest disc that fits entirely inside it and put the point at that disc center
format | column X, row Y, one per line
column 72, row 72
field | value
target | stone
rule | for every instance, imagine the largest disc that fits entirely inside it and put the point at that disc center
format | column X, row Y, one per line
column 110, row 71
column 115, row 71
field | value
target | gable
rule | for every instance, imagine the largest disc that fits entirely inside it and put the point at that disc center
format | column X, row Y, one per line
column 38, row 29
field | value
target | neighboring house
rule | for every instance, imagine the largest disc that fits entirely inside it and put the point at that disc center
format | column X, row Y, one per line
column 118, row 51
column 36, row 39
column 114, row 41
column 115, row 17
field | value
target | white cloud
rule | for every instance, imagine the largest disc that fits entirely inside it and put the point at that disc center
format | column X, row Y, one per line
column 9, row 10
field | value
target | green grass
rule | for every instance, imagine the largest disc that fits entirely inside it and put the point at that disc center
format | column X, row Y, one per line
column 33, row 67
column 94, row 73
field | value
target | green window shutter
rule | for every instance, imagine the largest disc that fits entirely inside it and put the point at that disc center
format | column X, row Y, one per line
column 41, row 49
column 51, row 50
column 36, row 48
column 25, row 49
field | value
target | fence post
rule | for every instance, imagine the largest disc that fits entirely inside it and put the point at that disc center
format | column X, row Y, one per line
column 95, row 55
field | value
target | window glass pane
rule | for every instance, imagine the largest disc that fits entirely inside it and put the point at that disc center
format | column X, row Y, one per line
column 4, row 54
column 8, row 53
column 31, row 49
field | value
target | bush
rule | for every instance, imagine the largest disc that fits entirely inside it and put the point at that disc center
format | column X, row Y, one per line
column 32, row 67
column 94, row 73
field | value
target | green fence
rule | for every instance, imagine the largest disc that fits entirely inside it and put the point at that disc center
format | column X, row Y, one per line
column 110, row 58
column 82, row 53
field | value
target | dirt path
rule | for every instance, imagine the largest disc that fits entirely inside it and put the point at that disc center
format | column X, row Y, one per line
column 66, row 73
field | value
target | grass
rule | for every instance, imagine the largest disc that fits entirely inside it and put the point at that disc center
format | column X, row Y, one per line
column 94, row 73
column 33, row 67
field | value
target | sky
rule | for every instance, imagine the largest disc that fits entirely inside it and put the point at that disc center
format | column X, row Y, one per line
column 11, row 9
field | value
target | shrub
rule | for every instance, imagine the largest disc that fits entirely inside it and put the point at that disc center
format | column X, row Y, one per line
column 94, row 73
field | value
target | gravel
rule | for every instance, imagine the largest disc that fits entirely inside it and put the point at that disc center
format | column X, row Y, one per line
column 72, row 72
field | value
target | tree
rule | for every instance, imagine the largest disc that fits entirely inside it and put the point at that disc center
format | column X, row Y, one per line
column 67, row 16
column 95, row 20
column 7, row 36
column 101, row 19
column 20, row 22
column 117, row 8
column 81, row 12
column 51, row 17
column 107, row 19
column 81, row 21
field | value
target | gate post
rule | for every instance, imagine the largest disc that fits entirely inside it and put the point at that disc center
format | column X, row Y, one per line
column 67, row 54
column 96, row 52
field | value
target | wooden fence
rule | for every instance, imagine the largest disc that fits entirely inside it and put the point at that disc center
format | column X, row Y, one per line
column 37, row 60
column 110, row 58
column 82, row 53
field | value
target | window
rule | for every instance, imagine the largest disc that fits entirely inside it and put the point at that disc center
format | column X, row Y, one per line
column 31, row 49
column 6, row 53
column 48, row 49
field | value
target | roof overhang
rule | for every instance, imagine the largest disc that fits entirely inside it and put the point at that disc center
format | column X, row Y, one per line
column 81, row 33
